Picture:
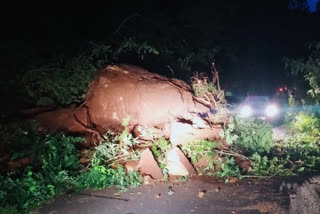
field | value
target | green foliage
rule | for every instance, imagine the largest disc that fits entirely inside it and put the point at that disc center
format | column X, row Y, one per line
column 142, row 49
column 299, row 153
column 160, row 147
column 310, row 69
column 101, row 176
column 199, row 149
column 306, row 123
column 106, row 151
column 276, row 166
column 65, row 80
column 248, row 136
column 60, row 171
column 117, row 145
column 228, row 169
column 31, row 187
column 201, row 86
column 9, row 210
column 60, row 84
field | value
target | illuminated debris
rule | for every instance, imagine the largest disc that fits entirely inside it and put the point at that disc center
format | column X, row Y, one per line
column 180, row 133
column 149, row 166
column 183, row 133
column 178, row 164
column 152, row 101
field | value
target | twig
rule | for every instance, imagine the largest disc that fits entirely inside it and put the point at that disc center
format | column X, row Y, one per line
column 102, row 196
column 215, row 76
column 172, row 71
column 256, row 176
column 117, row 158
column 202, row 101
column 124, row 21
column 232, row 154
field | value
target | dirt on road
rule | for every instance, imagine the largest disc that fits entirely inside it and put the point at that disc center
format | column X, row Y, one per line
column 198, row 195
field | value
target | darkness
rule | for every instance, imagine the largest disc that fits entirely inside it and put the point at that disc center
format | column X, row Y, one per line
column 255, row 35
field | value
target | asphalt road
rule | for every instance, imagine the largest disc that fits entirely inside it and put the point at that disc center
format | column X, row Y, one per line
column 198, row 195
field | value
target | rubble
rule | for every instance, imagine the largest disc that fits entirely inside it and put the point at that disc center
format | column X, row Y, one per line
column 149, row 166
column 178, row 164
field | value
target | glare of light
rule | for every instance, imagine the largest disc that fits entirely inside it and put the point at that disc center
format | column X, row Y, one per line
column 271, row 110
column 246, row 111
column 280, row 89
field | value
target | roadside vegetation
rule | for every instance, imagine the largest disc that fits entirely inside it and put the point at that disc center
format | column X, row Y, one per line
column 251, row 140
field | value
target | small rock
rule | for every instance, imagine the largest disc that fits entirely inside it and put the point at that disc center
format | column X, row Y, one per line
column 218, row 189
column 178, row 164
column 148, row 165
column 158, row 196
column 202, row 163
column 201, row 193
column 147, row 180
column 170, row 190
column 233, row 180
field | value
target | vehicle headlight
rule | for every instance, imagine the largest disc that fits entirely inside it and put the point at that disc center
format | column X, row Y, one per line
column 246, row 111
column 271, row 110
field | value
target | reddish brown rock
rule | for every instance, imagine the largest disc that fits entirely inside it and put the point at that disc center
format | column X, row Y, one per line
column 151, row 101
column 147, row 180
column 202, row 163
column 149, row 166
column 178, row 164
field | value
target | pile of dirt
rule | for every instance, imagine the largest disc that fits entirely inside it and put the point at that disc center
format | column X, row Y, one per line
column 167, row 106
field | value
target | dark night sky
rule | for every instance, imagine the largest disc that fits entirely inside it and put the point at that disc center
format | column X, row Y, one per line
column 262, row 32
column 313, row 4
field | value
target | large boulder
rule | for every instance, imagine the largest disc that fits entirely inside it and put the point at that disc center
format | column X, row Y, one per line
column 150, row 100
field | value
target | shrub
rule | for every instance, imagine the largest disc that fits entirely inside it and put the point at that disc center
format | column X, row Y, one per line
column 310, row 69
column 60, row 171
column 199, row 149
column 228, row 169
column 248, row 136
column 65, row 80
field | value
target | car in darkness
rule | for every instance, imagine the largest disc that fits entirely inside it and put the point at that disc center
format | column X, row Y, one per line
column 262, row 107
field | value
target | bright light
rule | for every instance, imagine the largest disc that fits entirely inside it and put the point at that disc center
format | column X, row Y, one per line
column 246, row 111
column 280, row 89
column 271, row 110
